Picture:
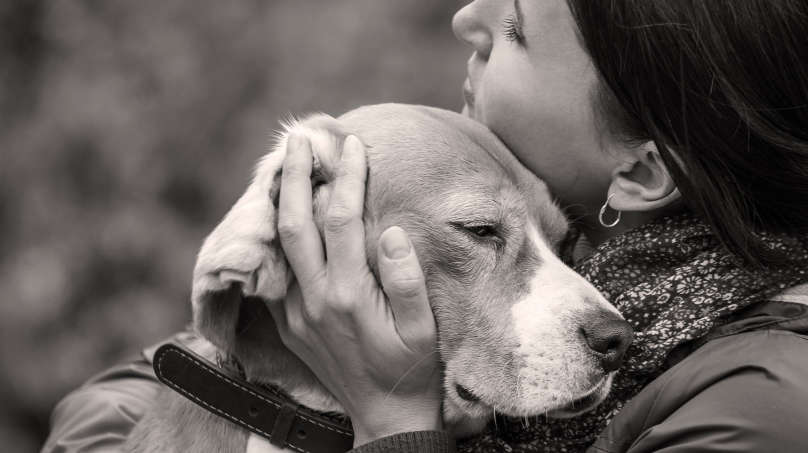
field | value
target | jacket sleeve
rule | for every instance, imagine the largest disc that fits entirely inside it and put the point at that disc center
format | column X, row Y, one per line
column 412, row 442
column 98, row 416
column 755, row 405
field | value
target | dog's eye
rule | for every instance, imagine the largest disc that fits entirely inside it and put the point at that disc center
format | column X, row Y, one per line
column 481, row 230
column 487, row 233
column 484, row 234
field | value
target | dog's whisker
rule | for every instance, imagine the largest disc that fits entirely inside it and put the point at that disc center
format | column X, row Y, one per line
column 408, row 372
column 573, row 219
column 519, row 396
column 570, row 207
column 247, row 327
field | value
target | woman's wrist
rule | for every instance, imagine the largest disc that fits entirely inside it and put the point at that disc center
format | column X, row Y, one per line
column 396, row 421
column 390, row 415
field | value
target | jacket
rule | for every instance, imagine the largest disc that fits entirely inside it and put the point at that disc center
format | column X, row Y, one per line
column 741, row 387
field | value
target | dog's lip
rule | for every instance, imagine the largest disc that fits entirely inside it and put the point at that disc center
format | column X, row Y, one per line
column 584, row 403
column 466, row 394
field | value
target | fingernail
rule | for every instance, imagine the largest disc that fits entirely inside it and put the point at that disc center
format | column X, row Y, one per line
column 292, row 143
column 350, row 147
column 395, row 244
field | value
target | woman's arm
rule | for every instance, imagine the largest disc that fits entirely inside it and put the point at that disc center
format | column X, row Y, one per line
column 98, row 416
column 376, row 355
column 745, row 392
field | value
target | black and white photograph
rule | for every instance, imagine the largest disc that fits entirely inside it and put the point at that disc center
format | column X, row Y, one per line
column 323, row 226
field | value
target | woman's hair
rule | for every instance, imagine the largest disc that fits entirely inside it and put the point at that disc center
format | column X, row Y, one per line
column 723, row 84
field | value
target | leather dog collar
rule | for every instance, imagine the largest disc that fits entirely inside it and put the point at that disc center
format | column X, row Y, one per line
column 285, row 423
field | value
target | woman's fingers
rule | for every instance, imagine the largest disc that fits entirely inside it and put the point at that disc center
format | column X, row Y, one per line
column 299, row 236
column 344, row 230
column 404, row 285
column 371, row 355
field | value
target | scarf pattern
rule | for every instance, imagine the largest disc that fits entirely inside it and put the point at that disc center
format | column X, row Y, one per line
column 673, row 282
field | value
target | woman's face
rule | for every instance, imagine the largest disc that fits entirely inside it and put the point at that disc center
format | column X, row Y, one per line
column 530, row 81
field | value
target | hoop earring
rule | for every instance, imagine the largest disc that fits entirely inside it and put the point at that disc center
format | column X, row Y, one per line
column 603, row 210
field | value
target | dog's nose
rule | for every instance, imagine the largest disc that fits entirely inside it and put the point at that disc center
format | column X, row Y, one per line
column 609, row 337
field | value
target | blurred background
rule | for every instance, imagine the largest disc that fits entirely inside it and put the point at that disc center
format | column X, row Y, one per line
column 127, row 130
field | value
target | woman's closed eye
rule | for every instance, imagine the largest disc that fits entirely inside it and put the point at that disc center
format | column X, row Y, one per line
column 513, row 30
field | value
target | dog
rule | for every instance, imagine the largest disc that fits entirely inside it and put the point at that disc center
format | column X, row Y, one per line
column 519, row 332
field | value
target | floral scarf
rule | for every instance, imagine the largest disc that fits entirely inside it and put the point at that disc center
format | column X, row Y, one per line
column 673, row 282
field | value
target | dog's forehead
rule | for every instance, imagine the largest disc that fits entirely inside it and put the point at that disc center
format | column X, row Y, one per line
column 464, row 155
column 429, row 140
column 412, row 144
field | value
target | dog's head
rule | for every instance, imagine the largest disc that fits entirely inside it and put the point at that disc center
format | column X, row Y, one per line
column 519, row 332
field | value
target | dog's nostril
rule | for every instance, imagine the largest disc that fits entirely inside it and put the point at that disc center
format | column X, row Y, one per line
column 465, row 394
column 610, row 338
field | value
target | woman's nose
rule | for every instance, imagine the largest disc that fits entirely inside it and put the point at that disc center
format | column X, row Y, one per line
column 468, row 26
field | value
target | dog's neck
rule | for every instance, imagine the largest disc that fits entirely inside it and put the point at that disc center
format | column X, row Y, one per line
column 242, row 327
column 290, row 379
column 313, row 397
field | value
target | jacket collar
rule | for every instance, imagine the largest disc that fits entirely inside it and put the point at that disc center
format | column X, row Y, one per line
column 786, row 311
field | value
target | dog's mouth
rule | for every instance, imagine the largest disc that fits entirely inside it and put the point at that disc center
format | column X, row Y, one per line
column 465, row 394
column 585, row 403
column 591, row 399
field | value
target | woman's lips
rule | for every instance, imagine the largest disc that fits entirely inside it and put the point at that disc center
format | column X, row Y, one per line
column 468, row 94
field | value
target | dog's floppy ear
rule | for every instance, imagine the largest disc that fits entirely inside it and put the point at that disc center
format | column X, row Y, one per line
column 241, row 261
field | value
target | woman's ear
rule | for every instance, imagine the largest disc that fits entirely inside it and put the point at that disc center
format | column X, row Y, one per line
column 642, row 182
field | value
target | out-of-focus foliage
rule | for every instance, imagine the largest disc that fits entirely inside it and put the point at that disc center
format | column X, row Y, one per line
column 128, row 128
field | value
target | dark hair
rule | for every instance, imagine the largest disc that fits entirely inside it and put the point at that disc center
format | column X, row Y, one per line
column 724, row 85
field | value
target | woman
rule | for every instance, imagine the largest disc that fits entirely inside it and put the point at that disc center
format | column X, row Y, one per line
column 685, row 121
column 690, row 119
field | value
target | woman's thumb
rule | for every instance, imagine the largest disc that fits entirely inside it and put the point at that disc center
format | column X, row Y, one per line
column 403, row 283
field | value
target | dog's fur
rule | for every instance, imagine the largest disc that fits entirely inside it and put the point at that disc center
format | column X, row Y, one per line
column 509, row 312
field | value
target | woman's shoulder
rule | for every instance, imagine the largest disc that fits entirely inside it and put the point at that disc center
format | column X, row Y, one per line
column 743, row 390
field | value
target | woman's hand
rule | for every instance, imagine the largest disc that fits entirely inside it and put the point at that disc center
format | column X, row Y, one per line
column 378, row 358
